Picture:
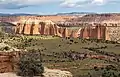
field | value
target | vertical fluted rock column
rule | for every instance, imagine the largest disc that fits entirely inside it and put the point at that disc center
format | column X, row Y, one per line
column 56, row 30
column 65, row 33
column 85, row 33
column 42, row 29
column 98, row 32
column 51, row 29
column 60, row 31
column 47, row 30
column 106, row 34
column 90, row 32
column 102, row 32
column 72, row 34
column 76, row 33
column 34, row 28
column 27, row 28
column 94, row 33
column 79, row 32
column 19, row 28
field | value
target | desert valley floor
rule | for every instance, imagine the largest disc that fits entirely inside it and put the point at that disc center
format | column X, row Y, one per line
column 79, row 56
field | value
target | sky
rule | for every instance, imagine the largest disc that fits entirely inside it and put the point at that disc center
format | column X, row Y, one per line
column 59, row 6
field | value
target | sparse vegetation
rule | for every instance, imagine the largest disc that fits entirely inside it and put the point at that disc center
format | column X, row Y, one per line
column 69, row 54
column 30, row 64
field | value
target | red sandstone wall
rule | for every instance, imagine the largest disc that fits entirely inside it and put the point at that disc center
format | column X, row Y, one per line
column 99, row 32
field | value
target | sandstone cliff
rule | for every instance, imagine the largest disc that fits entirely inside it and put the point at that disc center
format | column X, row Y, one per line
column 45, row 28
column 98, row 32
column 49, row 28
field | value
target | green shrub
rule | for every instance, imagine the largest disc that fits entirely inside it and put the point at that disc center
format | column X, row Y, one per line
column 30, row 64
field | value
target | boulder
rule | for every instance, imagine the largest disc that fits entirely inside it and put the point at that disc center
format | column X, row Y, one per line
column 56, row 73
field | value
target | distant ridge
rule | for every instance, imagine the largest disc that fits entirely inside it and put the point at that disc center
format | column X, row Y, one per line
column 18, row 14
column 26, row 14
column 76, row 13
column 66, row 13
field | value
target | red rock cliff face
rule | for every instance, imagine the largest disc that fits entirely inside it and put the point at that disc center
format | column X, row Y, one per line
column 44, row 28
column 25, row 28
column 98, row 32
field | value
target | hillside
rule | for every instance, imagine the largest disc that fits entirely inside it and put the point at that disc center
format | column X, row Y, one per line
column 98, row 18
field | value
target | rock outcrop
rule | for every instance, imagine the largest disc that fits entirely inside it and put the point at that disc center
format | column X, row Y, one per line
column 56, row 73
column 7, row 61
